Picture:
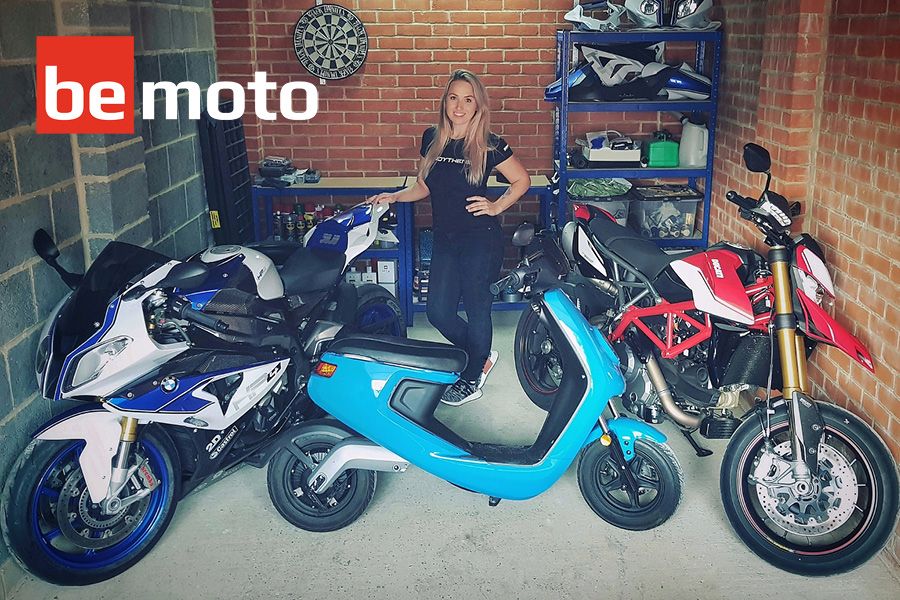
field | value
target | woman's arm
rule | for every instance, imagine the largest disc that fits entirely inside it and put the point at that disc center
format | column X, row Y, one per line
column 413, row 193
column 519, row 182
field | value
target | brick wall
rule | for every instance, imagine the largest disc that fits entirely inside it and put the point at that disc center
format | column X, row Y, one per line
column 827, row 108
column 86, row 189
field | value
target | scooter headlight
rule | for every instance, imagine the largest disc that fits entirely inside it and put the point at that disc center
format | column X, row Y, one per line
column 92, row 362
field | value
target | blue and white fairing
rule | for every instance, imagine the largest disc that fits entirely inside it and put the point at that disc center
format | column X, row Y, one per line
column 352, row 232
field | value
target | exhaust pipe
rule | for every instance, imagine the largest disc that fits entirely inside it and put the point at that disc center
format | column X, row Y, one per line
column 354, row 453
column 665, row 395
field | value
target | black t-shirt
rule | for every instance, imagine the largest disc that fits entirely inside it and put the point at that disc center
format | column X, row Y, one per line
column 450, row 188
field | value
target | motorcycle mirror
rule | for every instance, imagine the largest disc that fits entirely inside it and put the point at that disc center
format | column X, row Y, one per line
column 45, row 246
column 185, row 275
column 757, row 158
column 523, row 235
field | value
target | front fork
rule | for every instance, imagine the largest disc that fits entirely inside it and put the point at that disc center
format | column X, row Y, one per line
column 805, row 422
column 121, row 473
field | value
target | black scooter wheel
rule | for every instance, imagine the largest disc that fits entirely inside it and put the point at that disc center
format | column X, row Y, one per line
column 57, row 533
column 847, row 518
column 538, row 364
column 659, row 483
column 335, row 508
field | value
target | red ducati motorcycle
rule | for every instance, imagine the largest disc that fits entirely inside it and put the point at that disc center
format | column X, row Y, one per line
column 808, row 486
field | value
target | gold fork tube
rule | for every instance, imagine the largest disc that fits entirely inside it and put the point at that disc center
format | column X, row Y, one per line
column 790, row 344
column 129, row 430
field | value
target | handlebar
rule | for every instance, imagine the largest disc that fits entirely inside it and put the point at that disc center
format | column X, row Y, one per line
column 742, row 201
column 182, row 308
column 514, row 279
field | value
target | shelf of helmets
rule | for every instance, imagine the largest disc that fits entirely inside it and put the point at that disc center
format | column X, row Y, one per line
column 704, row 42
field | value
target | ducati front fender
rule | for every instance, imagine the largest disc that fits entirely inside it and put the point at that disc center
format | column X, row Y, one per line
column 100, row 430
column 627, row 431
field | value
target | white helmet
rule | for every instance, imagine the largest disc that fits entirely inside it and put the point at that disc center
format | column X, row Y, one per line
column 583, row 22
column 687, row 14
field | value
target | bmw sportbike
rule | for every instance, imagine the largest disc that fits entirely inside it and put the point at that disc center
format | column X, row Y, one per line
column 184, row 370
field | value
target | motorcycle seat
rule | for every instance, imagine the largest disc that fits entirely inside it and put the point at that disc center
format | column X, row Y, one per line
column 307, row 270
column 641, row 253
column 416, row 354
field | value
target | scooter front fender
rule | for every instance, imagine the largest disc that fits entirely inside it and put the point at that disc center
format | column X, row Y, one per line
column 627, row 431
column 100, row 430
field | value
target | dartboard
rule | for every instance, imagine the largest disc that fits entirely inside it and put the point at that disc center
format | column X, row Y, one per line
column 330, row 41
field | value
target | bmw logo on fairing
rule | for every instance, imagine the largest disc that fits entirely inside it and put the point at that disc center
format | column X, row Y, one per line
column 168, row 384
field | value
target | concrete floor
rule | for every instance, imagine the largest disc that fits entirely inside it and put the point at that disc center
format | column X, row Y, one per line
column 424, row 538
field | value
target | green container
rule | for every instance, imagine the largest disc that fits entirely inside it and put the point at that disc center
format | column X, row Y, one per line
column 661, row 154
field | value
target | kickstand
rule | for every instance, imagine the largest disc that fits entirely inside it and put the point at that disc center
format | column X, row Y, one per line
column 700, row 450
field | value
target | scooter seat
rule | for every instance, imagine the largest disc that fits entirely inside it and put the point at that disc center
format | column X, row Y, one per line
column 308, row 270
column 416, row 354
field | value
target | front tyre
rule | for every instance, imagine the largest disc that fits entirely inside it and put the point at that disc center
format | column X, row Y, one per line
column 335, row 508
column 538, row 364
column 843, row 522
column 55, row 530
column 654, row 469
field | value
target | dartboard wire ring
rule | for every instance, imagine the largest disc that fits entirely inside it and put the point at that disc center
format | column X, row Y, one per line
column 330, row 39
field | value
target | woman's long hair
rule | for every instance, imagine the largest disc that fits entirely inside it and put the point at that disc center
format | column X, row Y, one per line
column 477, row 141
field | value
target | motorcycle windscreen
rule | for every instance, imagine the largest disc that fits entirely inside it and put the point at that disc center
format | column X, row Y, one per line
column 819, row 325
column 113, row 268
column 715, row 284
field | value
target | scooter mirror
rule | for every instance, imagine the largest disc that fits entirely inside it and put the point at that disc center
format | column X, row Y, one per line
column 45, row 246
column 523, row 235
column 185, row 275
column 757, row 158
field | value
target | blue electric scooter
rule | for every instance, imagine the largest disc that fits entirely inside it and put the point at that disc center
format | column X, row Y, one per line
column 382, row 393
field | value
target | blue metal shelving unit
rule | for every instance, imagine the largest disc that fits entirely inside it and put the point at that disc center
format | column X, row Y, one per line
column 564, row 42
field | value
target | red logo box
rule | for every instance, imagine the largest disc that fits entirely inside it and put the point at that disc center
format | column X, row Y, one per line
column 85, row 84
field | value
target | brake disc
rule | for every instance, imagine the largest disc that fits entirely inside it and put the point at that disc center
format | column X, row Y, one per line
column 827, row 507
column 84, row 524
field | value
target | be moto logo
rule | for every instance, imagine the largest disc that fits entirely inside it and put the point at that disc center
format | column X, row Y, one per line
column 86, row 85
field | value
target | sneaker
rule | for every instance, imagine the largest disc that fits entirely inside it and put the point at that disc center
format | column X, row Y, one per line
column 461, row 392
column 488, row 365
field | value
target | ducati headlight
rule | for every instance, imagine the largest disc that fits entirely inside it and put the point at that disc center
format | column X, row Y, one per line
column 686, row 8
column 812, row 288
column 92, row 362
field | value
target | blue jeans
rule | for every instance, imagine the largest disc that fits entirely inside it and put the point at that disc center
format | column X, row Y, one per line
column 463, row 266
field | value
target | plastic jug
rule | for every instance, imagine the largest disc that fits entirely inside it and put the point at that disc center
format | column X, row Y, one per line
column 694, row 144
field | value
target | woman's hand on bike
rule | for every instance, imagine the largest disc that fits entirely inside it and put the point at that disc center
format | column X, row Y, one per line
column 388, row 197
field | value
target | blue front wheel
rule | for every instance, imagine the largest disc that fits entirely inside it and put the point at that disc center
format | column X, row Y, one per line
column 59, row 534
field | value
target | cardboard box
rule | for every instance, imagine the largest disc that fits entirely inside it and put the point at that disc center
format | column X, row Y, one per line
column 387, row 271
column 391, row 287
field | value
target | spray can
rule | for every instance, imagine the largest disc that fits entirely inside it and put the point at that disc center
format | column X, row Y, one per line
column 289, row 227
column 276, row 226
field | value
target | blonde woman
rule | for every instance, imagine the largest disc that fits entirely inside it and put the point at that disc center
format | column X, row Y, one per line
column 458, row 155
